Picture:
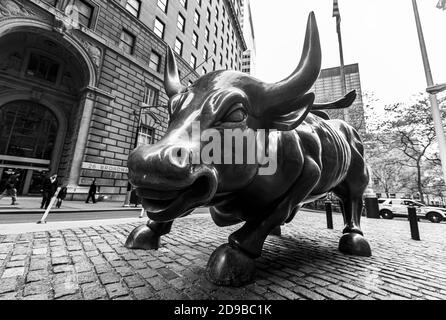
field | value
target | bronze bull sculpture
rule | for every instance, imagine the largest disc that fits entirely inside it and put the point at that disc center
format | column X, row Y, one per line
column 314, row 156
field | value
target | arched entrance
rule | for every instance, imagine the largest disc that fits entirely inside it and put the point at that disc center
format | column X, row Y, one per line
column 28, row 134
column 43, row 86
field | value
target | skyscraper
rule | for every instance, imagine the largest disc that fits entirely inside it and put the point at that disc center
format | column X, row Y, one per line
column 328, row 88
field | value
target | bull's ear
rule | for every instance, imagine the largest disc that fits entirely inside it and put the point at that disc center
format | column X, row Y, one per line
column 291, row 120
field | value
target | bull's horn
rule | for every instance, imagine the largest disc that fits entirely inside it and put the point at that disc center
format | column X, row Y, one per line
column 172, row 83
column 302, row 79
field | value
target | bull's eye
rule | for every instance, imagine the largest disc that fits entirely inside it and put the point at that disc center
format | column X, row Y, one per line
column 237, row 114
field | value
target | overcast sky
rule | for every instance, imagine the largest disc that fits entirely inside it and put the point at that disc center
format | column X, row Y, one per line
column 380, row 35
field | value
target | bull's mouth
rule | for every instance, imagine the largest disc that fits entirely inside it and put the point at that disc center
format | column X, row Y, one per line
column 166, row 205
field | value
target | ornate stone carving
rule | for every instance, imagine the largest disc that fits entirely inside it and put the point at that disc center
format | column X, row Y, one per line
column 14, row 8
column 94, row 52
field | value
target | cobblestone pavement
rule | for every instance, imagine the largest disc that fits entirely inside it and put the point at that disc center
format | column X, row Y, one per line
column 304, row 263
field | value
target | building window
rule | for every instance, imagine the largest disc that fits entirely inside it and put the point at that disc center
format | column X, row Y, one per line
column 199, row 2
column 146, row 135
column 195, row 39
column 42, row 67
column 224, row 12
column 208, row 15
column 193, row 61
column 133, row 6
column 197, row 18
column 159, row 28
column 203, row 71
column 205, row 54
column 162, row 4
column 221, row 59
column 178, row 46
column 181, row 22
column 217, row 13
column 213, row 65
column 85, row 11
column 150, row 96
column 184, row 3
column 216, row 30
column 155, row 61
column 214, row 48
column 206, row 34
column 127, row 42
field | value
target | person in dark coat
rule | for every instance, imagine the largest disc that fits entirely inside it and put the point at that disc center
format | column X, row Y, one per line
column 61, row 196
column 48, row 189
column 11, row 190
column 92, row 192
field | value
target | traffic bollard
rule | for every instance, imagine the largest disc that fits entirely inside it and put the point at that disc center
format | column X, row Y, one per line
column 413, row 221
column 329, row 213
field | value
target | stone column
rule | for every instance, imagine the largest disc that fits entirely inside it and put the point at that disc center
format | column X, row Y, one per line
column 88, row 104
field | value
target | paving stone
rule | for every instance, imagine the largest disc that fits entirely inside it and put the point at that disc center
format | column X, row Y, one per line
column 8, row 284
column 143, row 293
column 109, row 277
column 65, row 289
column 13, row 272
column 37, row 297
column 93, row 291
column 134, row 281
column 115, row 290
column 37, row 275
column 34, row 288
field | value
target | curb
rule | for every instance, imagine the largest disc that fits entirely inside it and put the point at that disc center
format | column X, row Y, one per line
column 41, row 211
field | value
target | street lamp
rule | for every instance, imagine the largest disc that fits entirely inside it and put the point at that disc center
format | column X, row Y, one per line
column 436, row 116
column 436, row 88
column 144, row 109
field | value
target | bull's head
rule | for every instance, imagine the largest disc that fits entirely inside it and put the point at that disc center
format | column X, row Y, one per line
column 172, row 186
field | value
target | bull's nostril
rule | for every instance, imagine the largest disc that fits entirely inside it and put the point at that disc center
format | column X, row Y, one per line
column 179, row 157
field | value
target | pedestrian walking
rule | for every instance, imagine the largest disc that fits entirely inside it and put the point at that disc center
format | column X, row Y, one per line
column 61, row 196
column 92, row 192
column 10, row 190
column 48, row 189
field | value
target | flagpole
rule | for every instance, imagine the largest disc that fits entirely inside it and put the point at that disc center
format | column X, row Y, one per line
column 439, row 130
column 341, row 55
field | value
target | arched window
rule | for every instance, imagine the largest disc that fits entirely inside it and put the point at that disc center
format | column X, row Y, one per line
column 27, row 129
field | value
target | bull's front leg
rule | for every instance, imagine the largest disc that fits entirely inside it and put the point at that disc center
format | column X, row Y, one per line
column 233, row 264
column 147, row 237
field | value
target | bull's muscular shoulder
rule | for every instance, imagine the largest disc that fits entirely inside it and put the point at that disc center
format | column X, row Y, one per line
column 309, row 136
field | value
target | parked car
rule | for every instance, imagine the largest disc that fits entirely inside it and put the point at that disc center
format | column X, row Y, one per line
column 389, row 208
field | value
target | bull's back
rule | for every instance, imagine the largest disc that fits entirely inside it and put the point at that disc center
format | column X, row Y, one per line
column 328, row 143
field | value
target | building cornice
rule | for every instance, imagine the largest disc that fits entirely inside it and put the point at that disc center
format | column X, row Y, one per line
column 236, row 23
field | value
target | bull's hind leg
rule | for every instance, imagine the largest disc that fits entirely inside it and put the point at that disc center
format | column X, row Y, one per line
column 147, row 237
column 350, row 193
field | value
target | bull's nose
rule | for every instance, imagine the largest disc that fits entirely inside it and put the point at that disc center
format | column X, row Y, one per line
column 159, row 165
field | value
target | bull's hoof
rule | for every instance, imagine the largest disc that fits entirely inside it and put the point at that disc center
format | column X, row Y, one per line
column 354, row 244
column 144, row 238
column 228, row 266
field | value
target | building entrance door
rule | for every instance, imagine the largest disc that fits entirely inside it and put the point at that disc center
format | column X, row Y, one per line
column 28, row 133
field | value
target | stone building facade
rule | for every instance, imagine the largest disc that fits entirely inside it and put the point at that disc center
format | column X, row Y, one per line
column 81, row 81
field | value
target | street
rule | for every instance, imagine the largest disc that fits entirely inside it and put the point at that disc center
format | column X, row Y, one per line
column 67, row 216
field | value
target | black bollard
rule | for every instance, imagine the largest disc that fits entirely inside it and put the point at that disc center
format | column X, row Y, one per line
column 413, row 221
column 329, row 213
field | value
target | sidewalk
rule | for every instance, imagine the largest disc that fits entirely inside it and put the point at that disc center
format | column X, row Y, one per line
column 32, row 205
